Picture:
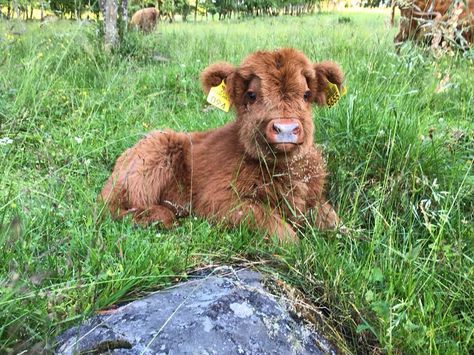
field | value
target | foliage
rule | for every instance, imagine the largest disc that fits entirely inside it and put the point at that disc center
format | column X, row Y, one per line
column 397, row 279
column 183, row 8
column 170, row 8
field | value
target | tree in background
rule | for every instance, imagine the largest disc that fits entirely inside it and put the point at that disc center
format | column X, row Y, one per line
column 183, row 8
column 124, row 14
column 94, row 7
column 61, row 7
column 170, row 8
column 167, row 9
column 375, row 3
column 12, row 9
column 42, row 7
column 3, row 4
column 115, row 12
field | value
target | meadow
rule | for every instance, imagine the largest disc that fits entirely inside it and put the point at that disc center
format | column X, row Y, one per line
column 398, row 278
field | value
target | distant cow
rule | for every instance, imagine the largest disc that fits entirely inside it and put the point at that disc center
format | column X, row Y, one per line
column 145, row 19
column 418, row 18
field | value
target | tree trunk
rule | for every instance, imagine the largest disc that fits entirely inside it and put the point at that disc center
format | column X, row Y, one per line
column 102, row 6
column 110, row 23
column 31, row 11
column 195, row 11
column 42, row 11
column 124, row 14
column 16, row 9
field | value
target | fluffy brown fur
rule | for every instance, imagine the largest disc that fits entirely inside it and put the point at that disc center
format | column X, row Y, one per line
column 244, row 171
column 145, row 19
column 415, row 13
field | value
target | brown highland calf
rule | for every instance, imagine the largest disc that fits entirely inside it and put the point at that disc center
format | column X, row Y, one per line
column 261, row 169
column 145, row 19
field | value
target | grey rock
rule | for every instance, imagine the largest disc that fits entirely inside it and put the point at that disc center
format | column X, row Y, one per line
column 225, row 312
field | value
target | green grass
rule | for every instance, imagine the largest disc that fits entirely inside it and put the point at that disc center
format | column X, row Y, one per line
column 400, row 279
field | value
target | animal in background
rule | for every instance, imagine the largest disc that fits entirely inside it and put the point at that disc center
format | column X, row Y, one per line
column 418, row 18
column 145, row 19
column 261, row 169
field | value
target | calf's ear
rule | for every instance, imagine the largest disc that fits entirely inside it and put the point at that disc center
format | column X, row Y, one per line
column 325, row 73
column 214, row 74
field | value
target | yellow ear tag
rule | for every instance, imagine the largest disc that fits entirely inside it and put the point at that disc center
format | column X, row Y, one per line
column 344, row 91
column 218, row 97
column 332, row 94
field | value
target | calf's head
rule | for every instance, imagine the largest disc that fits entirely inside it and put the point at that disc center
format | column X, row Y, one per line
column 273, row 93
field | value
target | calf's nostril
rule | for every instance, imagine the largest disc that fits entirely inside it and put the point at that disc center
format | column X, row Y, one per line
column 296, row 131
column 276, row 129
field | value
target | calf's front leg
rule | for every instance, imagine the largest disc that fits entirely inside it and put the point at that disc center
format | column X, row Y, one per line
column 153, row 214
column 325, row 216
column 263, row 219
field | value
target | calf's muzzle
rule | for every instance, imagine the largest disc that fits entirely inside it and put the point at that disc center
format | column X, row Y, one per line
column 284, row 131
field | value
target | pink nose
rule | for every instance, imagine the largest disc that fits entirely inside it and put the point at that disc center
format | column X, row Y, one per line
column 284, row 131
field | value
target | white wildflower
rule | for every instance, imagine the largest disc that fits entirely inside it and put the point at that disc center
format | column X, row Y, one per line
column 5, row 141
column 78, row 140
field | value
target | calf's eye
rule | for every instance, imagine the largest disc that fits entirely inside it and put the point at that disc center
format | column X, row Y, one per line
column 307, row 95
column 251, row 96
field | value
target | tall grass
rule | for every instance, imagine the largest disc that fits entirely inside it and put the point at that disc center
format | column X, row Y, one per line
column 398, row 278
